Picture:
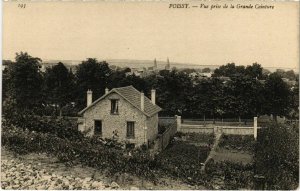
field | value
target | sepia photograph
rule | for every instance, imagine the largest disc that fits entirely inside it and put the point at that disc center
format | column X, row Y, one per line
column 150, row 95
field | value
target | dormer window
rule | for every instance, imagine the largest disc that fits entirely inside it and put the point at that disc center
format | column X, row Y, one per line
column 114, row 106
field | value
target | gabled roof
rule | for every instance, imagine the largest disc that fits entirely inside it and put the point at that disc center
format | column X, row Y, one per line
column 133, row 96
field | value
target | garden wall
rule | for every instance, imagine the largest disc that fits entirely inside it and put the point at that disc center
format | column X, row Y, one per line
column 164, row 139
column 230, row 130
column 238, row 130
column 196, row 129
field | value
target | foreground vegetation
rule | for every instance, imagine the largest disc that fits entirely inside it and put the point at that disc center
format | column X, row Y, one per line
column 275, row 155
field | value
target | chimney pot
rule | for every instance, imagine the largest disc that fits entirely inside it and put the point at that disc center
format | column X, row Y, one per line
column 142, row 101
column 106, row 90
column 153, row 95
column 89, row 97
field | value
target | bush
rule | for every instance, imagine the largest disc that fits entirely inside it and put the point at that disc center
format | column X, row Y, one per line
column 60, row 127
column 236, row 176
column 90, row 152
column 277, row 156
column 183, row 161
column 208, row 138
column 237, row 142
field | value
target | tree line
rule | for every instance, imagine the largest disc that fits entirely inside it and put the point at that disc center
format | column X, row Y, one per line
column 232, row 91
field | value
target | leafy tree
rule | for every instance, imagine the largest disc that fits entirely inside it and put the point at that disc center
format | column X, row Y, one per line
column 93, row 75
column 205, row 98
column 290, row 74
column 229, row 70
column 294, row 114
column 25, row 81
column 206, row 70
column 277, row 96
column 244, row 97
column 172, row 90
column 254, row 71
column 135, row 81
column 116, row 78
column 5, row 84
column 59, row 85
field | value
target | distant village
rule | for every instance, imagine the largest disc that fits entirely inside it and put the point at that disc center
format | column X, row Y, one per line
column 146, row 68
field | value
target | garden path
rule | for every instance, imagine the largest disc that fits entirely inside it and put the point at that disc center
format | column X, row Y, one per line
column 213, row 151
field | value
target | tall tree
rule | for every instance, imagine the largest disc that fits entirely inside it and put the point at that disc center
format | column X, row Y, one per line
column 294, row 114
column 59, row 85
column 254, row 71
column 93, row 75
column 229, row 70
column 243, row 97
column 172, row 90
column 26, row 81
column 277, row 96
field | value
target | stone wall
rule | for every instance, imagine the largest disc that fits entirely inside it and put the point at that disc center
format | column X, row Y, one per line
column 232, row 130
column 152, row 127
column 196, row 129
column 116, row 122
column 163, row 140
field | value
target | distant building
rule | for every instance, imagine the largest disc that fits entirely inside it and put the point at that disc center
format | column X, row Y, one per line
column 206, row 74
column 168, row 66
column 122, row 113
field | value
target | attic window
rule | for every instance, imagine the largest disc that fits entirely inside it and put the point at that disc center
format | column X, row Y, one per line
column 114, row 106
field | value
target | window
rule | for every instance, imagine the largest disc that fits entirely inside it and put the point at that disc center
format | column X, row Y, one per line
column 98, row 127
column 130, row 129
column 114, row 106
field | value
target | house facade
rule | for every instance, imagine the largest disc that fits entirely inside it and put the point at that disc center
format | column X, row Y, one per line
column 122, row 113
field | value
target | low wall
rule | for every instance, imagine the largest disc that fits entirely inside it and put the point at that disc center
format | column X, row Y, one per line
column 230, row 130
column 165, row 121
column 164, row 139
column 238, row 130
column 196, row 129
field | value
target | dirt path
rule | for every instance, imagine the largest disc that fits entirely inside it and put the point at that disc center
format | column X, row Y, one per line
column 59, row 175
column 213, row 151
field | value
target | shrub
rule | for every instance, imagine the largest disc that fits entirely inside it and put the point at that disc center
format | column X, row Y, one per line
column 201, row 137
column 236, row 176
column 90, row 152
column 61, row 127
column 277, row 156
column 237, row 142
column 183, row 161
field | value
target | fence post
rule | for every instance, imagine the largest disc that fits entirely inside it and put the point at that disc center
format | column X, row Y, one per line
column 178, row 121
column 255, row 128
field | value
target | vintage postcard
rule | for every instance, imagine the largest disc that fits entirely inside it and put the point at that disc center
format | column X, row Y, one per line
column 150, row 95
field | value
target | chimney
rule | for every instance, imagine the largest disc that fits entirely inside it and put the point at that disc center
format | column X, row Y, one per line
column 106, row 90
column 89, row 97
column 153, row 96
column 142, row 101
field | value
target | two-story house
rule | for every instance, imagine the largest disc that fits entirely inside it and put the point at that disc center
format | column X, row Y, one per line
column 123, row 113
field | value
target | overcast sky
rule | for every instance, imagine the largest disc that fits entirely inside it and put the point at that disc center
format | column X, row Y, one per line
column 144, row 31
